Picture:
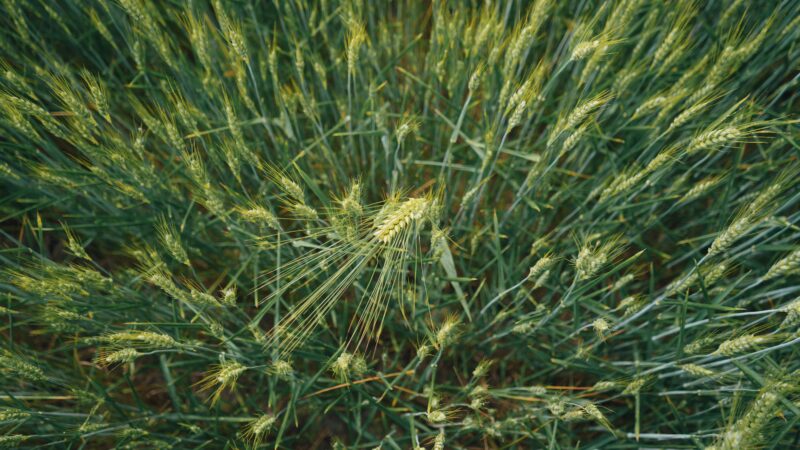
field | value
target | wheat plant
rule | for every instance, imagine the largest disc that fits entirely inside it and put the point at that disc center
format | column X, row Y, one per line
column 401, row 224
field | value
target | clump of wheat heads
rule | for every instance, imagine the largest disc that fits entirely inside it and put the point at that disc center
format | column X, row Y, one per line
column 382, row 239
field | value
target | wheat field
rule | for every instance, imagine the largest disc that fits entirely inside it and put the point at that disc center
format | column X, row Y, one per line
column 406, row 224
